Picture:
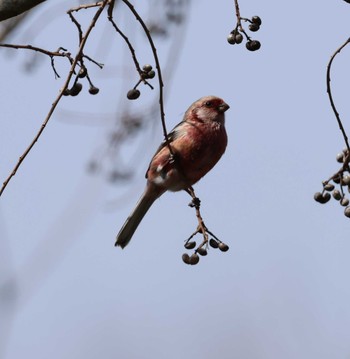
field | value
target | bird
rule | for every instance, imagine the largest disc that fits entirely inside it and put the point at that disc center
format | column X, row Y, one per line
column 197, row 144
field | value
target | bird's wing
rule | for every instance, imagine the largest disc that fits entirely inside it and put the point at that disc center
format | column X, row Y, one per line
column 172, row 135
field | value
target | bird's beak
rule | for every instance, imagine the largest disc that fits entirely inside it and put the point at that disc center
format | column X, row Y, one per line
column 223, row 107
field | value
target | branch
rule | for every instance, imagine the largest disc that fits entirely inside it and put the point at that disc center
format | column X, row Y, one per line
column 329, row 91
column 160, row 79
column 57, row 100
column 203, row 229
column 38, row 49
column 11, row 8
column 132, row 51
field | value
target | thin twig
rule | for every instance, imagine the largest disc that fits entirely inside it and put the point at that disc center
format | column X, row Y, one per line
column 196, row 204
column 329, row 91
column 38, row 49
column 160, row 79
column 99, row 64
column 238, row 16
column 60, row 52
column 76, row 23
column 132, row 50
column 88, row 6
column 55, row 103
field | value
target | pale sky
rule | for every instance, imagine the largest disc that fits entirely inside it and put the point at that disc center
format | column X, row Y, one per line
column 282, row 289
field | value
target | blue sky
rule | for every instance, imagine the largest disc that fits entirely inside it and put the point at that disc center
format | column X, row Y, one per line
column 282, row 289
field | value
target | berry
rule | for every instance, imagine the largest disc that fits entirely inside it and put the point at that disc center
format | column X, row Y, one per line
column 151, row 74
column 190, row 245
column 329, row 187
column 82, row 72
column 194, row 259
column 133, row 94
column 213, row 243
column 322, row 198
column 326, row 197
column 223, row 247
column 336, row 195
column 94, row 90
column 318, row 197
column 337, row 179
column 238, row 38
column 147, row 68
column 340, row 157
column 75, row 90
column 254, row 27
column 202, row 251
column 186, row 258
column 256, row 20
column 231, row 39
column 345, row 180
column 253, row 45
column 347, row 211
column 344, row 202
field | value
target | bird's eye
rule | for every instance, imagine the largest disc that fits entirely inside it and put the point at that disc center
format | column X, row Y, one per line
column 208, row 104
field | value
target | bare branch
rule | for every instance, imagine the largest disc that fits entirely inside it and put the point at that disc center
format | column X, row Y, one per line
column 160, row 79
column 57, row 100
column 329, row 91
column 132, row 50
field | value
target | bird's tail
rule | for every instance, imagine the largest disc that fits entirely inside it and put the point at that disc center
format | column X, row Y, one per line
column 127, row 231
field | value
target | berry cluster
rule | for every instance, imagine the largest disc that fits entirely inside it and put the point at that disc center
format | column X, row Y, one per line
column 340, row 179
column 147, row 72
column 77, row 86
column 202, row 249
column 236, row 35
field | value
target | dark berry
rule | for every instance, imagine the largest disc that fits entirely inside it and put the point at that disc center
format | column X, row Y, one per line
column 151, row 74
column 347, row 211
column 238, row 38
column 147, row 68
column 256, row 20
column 329, row 187
column 82, row 72
column 326, row 197
column 202, row 251
column 213, row 243
column 231, row 39
column 190, row 245
column 322, row 198
column 133, row 94
column 340, row 157
column 254, row 27
column 318, row 197
column 186, row 258
column 194, row 259
column 223, row 247
column 337, row 179
column 75, row 90
column 253, row 45
column 345, row 180
column 94, row 90
column 344, row 202
column 336, row 195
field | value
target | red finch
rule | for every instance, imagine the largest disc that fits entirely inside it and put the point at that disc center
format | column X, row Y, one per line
column 197, row 144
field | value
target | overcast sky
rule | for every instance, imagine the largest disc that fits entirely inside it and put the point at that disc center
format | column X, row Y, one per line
column 282, row 290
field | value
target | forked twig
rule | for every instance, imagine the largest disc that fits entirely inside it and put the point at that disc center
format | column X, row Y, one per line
column 160, row 78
